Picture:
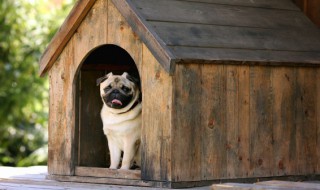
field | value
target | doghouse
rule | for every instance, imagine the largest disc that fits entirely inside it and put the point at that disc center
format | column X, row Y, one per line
column 230, row 90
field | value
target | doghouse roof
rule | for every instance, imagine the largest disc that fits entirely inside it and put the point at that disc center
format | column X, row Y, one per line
column 208, row 31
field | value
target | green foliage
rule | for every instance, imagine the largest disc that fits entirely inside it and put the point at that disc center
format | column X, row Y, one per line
column 26, row 27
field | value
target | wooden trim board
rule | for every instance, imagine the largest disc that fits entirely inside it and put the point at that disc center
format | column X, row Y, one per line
column 108, row 173
column 64, row 34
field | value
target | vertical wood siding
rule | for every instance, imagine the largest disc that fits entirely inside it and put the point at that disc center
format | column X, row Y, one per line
column 245, row 121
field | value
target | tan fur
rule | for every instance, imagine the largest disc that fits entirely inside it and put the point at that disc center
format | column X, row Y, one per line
column 122, row 127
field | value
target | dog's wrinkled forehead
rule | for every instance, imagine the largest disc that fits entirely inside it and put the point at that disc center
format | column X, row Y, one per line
column 108, row 79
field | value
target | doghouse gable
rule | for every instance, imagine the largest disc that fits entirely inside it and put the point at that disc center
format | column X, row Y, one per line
column 229, row 90
column 67, row 159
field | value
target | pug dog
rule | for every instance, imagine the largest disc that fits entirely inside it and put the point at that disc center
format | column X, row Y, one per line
column 121, row 117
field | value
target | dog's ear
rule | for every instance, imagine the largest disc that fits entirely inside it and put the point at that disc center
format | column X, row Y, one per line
column 101, row 79
column 131, row 78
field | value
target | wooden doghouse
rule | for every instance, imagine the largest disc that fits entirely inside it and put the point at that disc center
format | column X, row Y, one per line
column 230, row 90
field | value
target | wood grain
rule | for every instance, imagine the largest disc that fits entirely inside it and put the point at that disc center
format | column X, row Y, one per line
column 146, row 34
column 306, row 159
column 318, row 118
column 93, row 148
column 187, row 128
column 244, row 122
column 61, row 116
column 157, row 120
column 120, row 34
column 88, row 37
column 261, row 105
column 245, row 56
column 268, row 4
column 212, row 36
column 232, row 119
column 62, row 37
column 284, row 130
column 108, row 173
column 213, row 120
column 211, row 14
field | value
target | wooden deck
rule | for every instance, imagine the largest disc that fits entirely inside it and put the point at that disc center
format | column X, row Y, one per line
column 35, row 178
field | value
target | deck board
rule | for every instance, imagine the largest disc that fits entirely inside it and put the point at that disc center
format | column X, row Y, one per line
column 34, row 178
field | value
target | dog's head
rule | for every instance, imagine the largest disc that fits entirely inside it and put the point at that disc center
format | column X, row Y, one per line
column 119, row 91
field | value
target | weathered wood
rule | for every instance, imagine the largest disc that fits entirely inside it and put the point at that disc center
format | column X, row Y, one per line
column 120, row 33
column 157, row 120
column 93, row 148
column 145, row 32
column 261, row 104
column 244, row 122
column 210, row 13
column 61, row 115
column 306, row 159
column 213, row 121
column 108, row 173
column 268, row 4
column 232, row 120
column 311, row 8
column 92, row 32
column 288, row 184
column 284, row 131
column 102, row 180
column 318, row 118
column 211, row 36
column 187, row 128
column 64, row 34
column 199, row 55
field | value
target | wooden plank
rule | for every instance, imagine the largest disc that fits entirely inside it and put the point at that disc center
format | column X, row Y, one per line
column 237, row 121
column 213, row 121
column 239, row 186
column 157, row 120
column 108, row 173
column 306, row 121
column 284, row 131
column 312, row 10
column 318, row 118
column 232, row 120
column 211, row 36
column 93, row 148
column 101, row 180
column 122, row 35
column 62, row 115
column 261, row 118
column 290, row 184
column 64, row 34
column 243, row 56
column 211, row 13
column 146, row 34
column 187, row 124
column 268, row 4
column 92, row 32
column 85, row 40
column 244, row 122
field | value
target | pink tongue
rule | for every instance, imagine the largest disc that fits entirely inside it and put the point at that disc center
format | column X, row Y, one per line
column 115, row 101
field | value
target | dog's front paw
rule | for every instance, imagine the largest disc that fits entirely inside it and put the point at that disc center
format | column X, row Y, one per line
column 125, row 167
column 113, row 167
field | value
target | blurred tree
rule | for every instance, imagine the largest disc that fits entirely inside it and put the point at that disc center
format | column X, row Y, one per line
column 26, row 27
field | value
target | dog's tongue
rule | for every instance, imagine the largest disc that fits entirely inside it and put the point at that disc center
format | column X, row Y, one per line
column 115, row 101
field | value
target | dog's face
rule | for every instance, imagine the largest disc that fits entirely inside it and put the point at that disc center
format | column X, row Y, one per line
column 118, row 91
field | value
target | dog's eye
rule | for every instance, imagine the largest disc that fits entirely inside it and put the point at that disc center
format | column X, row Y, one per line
column 125, row 89
column 107, row 88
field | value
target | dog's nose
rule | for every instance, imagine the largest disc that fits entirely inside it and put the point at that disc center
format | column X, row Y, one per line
column 115, row 91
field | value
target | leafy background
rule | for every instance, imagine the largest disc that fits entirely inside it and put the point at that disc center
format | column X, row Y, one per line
column 26, row 28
